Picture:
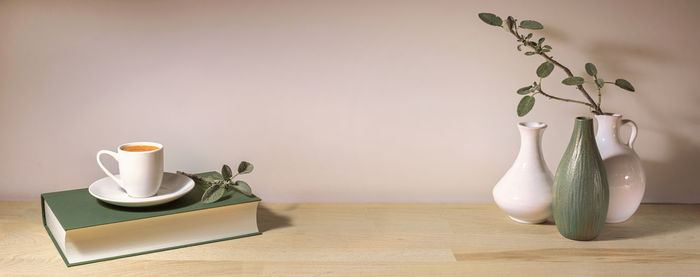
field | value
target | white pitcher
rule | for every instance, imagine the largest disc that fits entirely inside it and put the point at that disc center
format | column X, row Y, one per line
column 623, row 167
column 525, row 191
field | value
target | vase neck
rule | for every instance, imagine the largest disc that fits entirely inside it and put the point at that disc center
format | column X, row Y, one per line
column 608, row 128
column 583, row 129
column 531, row 140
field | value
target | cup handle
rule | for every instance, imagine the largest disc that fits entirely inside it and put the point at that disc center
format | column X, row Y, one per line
column 114, row 155
column 633, row 135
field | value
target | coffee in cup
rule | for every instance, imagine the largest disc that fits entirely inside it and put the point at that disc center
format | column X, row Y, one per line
column 139, row 148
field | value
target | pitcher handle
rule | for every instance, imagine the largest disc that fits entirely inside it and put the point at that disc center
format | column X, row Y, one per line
column 633, row 135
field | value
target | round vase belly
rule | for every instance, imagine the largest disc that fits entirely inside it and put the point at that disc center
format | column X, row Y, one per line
column 525, row 191
column 625, row 174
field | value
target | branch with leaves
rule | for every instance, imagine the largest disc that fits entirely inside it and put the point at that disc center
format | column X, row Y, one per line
column 539, row 48
column 216, row 188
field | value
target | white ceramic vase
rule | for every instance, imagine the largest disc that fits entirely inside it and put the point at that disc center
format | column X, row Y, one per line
column 623, row 167
column 525, row 191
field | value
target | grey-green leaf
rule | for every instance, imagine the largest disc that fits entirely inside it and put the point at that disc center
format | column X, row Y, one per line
column 545, row 69
column 510, row 22
column 531, row 24
column 540, row 41
column 623, row 84
column 243, row 187
column 245, row 167
column 520, row 47
column 573, row 81
column 213, row 193
column 529, row 53
column 525, row 90
column 491, row 19
column 525, row 105
column 226, row 172
column 600, row 82
column 528, row 36
column 591, row 70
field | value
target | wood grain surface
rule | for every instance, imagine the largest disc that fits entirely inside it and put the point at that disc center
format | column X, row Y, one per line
column 387, row 240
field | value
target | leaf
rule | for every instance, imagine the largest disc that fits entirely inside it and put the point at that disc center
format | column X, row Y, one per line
column 573, row 81
column 545, row 69
column 226, row 172
column 525, row 105
column 491, row 19
column 243, row 187
column 245, row 167
column 207, row 178
column 547, row 47
column 213, row 193
column 599, row 82
column 528, row 36
column 591, row 70
column 510, row 22
column 540, row 41
column 520, row 47
column 546, row 50
column 531, row 24
column 529, row 53
column 525, row 90
column 623, row 84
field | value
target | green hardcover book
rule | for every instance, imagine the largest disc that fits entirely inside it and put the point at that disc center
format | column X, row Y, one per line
column 87, row 230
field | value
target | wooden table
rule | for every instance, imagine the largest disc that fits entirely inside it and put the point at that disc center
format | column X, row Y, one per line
column 387, row 240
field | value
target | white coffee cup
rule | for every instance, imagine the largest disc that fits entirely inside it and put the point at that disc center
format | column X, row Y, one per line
column 140, row 172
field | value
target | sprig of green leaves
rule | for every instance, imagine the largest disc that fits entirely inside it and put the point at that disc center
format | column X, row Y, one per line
column 216, row 188
column 538, row 47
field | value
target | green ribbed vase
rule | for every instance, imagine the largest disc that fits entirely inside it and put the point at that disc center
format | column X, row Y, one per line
column 580, row 192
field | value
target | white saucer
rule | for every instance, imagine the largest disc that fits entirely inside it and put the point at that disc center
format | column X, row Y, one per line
column 173, row 187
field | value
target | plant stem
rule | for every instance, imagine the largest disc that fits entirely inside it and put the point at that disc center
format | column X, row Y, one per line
column 595, row 107
column 592, row 104
column 600, row 98
column 539, row 90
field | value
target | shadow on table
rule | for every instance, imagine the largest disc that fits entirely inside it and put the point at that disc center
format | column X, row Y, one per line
column 268, row 220
column 670, row 219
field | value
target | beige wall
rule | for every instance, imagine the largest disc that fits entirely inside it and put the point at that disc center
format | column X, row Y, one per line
column 366, row 101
